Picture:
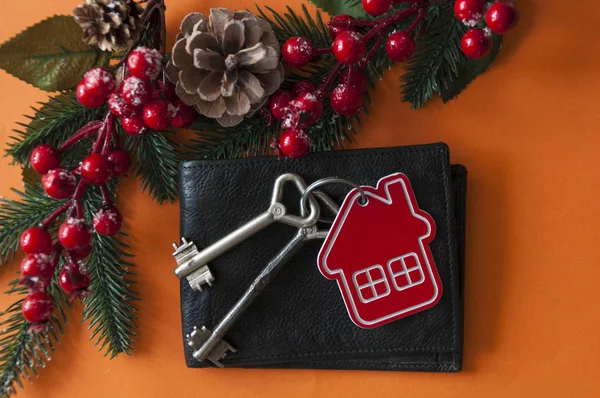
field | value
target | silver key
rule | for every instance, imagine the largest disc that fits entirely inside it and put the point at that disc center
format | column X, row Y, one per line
column 193, row 264
column 209, row 344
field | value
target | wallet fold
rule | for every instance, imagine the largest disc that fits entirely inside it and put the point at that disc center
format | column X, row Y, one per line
column 299, row 320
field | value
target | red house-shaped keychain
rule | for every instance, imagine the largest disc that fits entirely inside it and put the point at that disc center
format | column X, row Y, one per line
column 379, row 254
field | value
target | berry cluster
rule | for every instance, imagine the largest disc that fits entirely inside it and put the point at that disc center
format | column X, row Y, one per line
column 138, row 104
column 500, row 17
column 302, row 106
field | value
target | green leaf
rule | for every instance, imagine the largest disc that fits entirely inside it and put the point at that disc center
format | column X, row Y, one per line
column 437, row 57
column 469, row 70
column 51, row 124
column 51, row 55
column 156, row 163
column 338, row 7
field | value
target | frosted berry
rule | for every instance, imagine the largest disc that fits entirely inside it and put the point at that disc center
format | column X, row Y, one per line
column 74, row 280
column 120, row 162
column 279, row 103
column 136, row 91
column 297, row 51
column 95, row 87
column 74, row 234
column 80, row 254
column 303, row 86
column 400, row 46
column 469, row 12
column 59, row 183
column 334, row 31
column 36, row 240
column 119, row 107
column 476, row 43
column 345, row 100
column 501, row 17
column 108, row 221
column 96, row 169
column 183, row 115
column 376, row 7
column 354, row 78
column 44, row 158
column 37, row 270
column 37, row 308
column 134, row 125
column 295, row 143
column 309, row 106
column 157, row 114
column 145, row 63
column 349, row 47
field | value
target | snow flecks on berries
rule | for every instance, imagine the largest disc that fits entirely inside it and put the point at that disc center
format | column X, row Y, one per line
column 136, row 91
column 96, row 76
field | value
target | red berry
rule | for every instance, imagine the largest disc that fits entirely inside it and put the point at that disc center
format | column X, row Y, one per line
column 354, row 78
column 80, row 254
column 136, row 91
column 184, row 115
column 108, row 221
column 334, row 31
column 119, row 107
column 145, row 63
column 469, row 12
column 37, row 270
column 59, row 183
column 36, row 240
column 349, row 47
column 476, row 43
column 169, row 91
column 309, row 106
column 297, row 51
column 400, row 46
column 134, row 124
column 501, row 16
column 37, row 307
column 345, row 100
column 74, row 280
column 295, row 143
column 96, row 86
column 120, row 162
column 303, row 86
column 279, row 102
column 74, row 234
column 376, row 7
column 44, row 158
column 157, row 114
column 96, row 169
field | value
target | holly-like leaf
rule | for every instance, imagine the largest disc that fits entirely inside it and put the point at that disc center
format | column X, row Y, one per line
column 338, row 7
column 469, row 70
column 51, row 55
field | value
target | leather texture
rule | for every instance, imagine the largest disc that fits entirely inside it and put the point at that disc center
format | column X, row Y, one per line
column 300, row 321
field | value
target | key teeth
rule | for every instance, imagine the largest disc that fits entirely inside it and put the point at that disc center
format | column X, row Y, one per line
column 184, row 252
column 198, row 337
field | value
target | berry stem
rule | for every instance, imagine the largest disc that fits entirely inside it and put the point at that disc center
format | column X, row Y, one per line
column 105, row 195
column 109, row 133
column 329, row 79
column 83, row 132
column 389, row 20
column 322, row 51
column 101, row 134
column 416, row 22
column 363, row 63
column 55, row 214
column 353, row 23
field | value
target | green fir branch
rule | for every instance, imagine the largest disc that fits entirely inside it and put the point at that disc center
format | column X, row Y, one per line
column 437, row 58
column 22, row 352
column 108, row 307
column 156, row 164
column 18, row 215
column 51, row 124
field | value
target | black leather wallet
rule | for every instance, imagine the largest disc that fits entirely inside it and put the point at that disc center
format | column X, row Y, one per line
column 300, row 321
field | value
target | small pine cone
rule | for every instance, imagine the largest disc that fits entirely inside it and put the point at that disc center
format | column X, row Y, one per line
column 226, row 65
column 109, row 24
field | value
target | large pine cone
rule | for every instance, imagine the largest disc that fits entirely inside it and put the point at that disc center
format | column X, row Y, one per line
column 226, row 65
column 110, row 24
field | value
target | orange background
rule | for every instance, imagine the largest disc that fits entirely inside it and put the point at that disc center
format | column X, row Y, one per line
column 528, row 131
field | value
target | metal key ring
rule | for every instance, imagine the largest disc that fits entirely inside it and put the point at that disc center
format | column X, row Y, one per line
column 331, row 180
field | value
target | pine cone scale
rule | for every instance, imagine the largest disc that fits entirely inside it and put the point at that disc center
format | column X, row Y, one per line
column 181, row 58
column 202, row 40
column 209, row 60
column 210, row 88
column 233, row 37
column 251, row 86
